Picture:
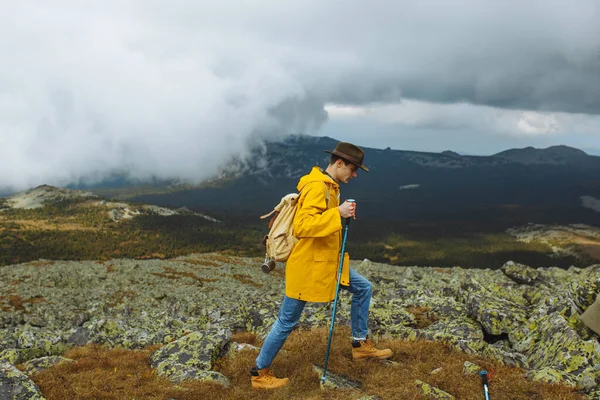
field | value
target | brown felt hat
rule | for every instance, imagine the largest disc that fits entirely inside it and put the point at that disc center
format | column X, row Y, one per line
column 591, row 316
column 350, row 152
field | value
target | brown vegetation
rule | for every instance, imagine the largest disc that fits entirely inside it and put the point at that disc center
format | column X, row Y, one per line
column 202, row 262
column 101, row 373
column 172, row 273
column 246, row 280
column 43, row 225
column 119, row 297
column 13, row 302
column 423, row 316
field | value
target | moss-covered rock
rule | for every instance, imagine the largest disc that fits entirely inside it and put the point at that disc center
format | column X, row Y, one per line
column 133, row 303
column 584, row 291
column 520, row 273
column 15, row 385
column 496, row 315
column 461, row 333
column 554, row 348
column 333, row 381
column 178, row 373
column 39, row 364
column 432, row 392
column 594, row 394
column 34, row 342
column 505, row 356
column 470, row 368
column 390, row 317
column 11, row 356
column 234, row 348
column 198, row 350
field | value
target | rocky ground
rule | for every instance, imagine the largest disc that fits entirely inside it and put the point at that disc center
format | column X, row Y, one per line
column 518, row 315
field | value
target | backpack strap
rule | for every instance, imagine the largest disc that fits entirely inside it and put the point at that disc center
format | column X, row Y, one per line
column 268, row 215
column 292, row 196
column 289, row 198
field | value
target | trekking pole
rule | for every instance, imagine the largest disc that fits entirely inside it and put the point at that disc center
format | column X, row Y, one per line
column 337, row 291
column 484, row 380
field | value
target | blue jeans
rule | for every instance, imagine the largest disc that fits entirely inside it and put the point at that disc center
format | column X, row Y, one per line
column 290, row 311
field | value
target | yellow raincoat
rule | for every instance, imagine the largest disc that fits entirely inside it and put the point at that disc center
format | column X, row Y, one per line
column 311, row 270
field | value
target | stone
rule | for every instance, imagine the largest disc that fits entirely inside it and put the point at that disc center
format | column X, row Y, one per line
column 432, row 392
column 15, row 385
column 470, row 368
column 521, row 273
column 185, row 357
column 333, row 381
column 39, row 364
column 555, row 352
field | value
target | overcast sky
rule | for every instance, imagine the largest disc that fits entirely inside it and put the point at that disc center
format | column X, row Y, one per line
column 174, row 88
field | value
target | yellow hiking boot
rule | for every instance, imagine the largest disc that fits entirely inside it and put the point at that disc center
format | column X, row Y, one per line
column 265, row 379
column 364, row 349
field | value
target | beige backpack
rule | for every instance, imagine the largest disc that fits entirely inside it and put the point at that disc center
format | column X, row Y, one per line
column 281, row 240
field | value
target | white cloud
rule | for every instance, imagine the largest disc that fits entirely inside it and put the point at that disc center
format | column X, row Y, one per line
column 172, row 89
column 463, row 116
column 532, row 123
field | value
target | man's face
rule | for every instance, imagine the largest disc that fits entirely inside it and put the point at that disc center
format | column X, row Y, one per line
column 346, row 172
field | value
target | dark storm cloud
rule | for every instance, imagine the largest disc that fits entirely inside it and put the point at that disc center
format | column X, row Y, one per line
column 173, row 89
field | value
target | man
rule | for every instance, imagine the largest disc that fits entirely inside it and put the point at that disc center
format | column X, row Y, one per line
column 311, row 270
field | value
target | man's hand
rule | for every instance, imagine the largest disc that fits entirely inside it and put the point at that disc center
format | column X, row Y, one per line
column 348, row 209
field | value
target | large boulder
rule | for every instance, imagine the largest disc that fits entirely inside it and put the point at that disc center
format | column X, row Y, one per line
column 32, row 342
column 461, row 333
column 584, row 291
column 495, row 314
column 556, row 353
column 505, row 355
column 521, row 273
column 185, row 357
column 178, row 373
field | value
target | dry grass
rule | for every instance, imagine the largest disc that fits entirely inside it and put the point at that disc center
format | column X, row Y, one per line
column 44, row 225
column 172, row 273
column 41, row 263
column 120, row 296
column 200, row 262
column 151, row 256
column 246, row 280
column 14, row 302
column 222, row 258
column 423, row 316
column 447, row 271
column 121, row 374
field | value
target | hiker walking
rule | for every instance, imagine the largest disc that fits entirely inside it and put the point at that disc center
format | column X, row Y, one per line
column 311, row 270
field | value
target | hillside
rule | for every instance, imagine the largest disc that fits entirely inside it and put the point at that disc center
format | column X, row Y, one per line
column 54, row 223
column 431, row 200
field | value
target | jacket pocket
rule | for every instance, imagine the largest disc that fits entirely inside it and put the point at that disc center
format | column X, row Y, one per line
column 325, row 255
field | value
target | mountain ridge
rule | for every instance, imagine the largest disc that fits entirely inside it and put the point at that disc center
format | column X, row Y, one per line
column 310, row 151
